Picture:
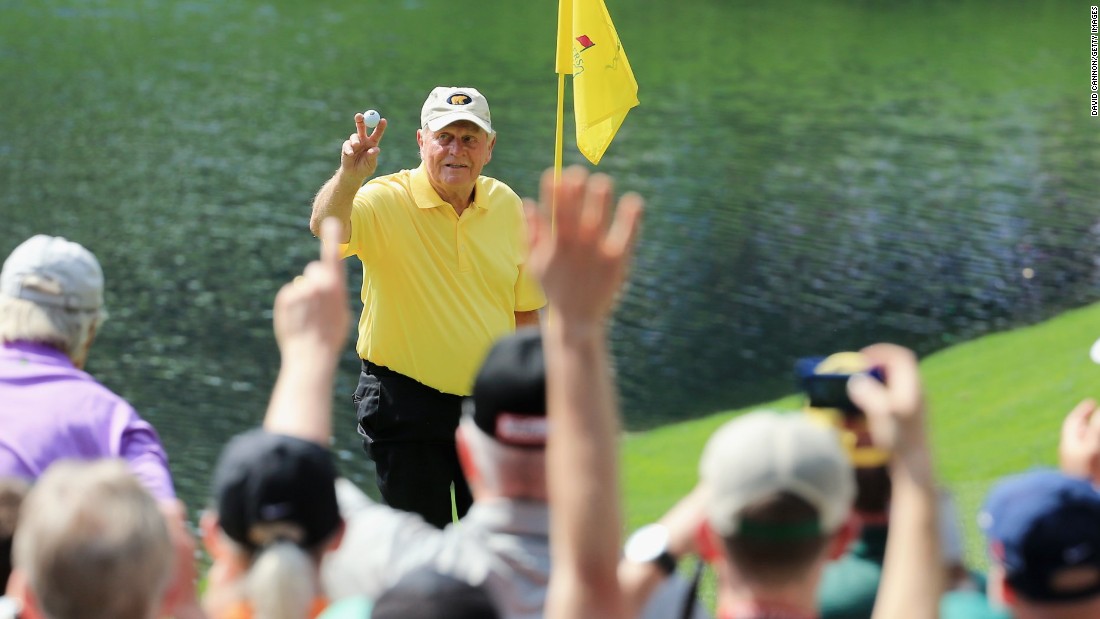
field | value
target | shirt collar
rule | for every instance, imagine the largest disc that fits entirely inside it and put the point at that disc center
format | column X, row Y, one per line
column 426, row 197
column 37, row 353
column 511, row 516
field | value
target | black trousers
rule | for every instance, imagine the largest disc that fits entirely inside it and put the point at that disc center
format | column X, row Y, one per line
column 408, row 430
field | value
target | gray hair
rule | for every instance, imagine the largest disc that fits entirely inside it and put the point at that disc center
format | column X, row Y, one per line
column 67, row 330
column 93, row 543
column 514, row 472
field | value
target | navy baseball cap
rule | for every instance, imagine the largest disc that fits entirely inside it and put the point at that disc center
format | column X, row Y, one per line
column 1043, row 528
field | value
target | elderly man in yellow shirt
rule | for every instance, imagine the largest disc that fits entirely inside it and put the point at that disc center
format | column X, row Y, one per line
column 444, row 274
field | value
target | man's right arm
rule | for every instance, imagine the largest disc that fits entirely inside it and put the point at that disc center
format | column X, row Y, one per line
column 358, row 161
column 335, row 200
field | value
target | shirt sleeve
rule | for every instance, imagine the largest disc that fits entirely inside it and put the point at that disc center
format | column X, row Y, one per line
column 528, row 292
column 529, row 295
column 365, row 242
column 138, row 444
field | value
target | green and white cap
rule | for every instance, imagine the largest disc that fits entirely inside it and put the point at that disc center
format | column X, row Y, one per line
column 763, row 454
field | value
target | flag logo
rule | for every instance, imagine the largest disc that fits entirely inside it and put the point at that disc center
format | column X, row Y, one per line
column 458, row 99
column 585, row 42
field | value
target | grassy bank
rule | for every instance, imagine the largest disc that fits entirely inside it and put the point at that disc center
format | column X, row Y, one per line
column 996, row 406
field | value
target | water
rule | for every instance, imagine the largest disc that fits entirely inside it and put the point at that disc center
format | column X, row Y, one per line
column 819, row 175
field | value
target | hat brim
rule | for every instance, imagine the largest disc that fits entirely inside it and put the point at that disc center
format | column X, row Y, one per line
column 450, row 118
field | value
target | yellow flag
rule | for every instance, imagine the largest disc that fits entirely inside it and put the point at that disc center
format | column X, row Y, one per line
column 604, row 89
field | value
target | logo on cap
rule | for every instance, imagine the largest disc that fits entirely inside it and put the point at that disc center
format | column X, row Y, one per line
column 521, row 429
column 459, row 99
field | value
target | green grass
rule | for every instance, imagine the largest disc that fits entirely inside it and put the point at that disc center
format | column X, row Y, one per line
column 995, row 404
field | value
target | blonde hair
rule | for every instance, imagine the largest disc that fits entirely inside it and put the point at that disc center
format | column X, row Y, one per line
column 64, row 329
column 281, row 582
column 92, row 543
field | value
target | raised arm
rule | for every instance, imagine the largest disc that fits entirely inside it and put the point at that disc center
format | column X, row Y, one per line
column 358, row 161
column 311, row 327
column 582, row 266
column 912, row 573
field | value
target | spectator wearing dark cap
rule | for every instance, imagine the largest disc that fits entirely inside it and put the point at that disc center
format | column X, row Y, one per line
column 51, row 307
column 503, row 541
column 276, row 514
column 1044, row 545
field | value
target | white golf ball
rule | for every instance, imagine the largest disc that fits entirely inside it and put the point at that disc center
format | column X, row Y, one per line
column 371, row 118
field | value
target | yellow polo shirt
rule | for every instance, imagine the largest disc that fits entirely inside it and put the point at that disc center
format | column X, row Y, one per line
column 438, row 289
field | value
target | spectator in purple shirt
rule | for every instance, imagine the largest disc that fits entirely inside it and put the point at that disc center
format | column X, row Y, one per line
column 51, row 305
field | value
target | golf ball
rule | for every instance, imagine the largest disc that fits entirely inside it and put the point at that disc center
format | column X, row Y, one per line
column 371, row 118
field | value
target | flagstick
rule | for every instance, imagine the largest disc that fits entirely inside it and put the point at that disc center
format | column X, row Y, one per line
column 559, row 130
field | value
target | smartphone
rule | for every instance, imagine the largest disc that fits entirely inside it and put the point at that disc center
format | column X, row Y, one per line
column 828, row 390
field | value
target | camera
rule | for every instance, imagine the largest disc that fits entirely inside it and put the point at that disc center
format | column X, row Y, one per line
column 824, row 380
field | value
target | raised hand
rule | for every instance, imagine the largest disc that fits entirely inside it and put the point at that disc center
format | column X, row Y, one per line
column 311, row 312
column 311, row 326
column 359, row 155
column 1079, row 449
column 582, row 260
column 895, row 412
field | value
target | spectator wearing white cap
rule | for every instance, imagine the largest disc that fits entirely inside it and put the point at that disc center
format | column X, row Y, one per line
column 51, row 307
column 775, row 505
column 443, row 250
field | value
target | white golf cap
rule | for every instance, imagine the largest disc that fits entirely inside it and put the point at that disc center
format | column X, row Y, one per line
column 760, row 455
column 49, row 270
column 449, row 104
column 1095, row 352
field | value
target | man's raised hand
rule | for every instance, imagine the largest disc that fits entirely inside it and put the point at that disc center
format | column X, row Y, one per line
column 359, row 155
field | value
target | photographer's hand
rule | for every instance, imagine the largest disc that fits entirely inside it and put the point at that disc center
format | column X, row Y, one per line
column 1079, row 448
